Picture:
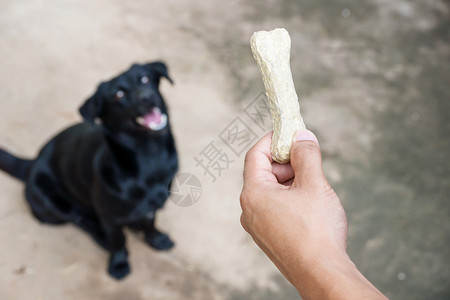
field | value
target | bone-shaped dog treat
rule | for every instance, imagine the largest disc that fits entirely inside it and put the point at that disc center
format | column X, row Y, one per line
column 271, row 50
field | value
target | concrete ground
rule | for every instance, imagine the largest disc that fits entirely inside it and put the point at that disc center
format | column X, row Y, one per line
column 372, row 78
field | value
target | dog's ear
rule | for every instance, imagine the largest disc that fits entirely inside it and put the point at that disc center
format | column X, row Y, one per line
column 160, row 70
column 93, row 106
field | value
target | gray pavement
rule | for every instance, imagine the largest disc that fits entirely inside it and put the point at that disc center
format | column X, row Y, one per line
column 372, row 77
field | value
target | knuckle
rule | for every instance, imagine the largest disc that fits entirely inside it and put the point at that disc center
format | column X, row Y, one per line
column 244, row 222
column 248, row 200
column 328, row 190
column 308, row 148
column 248, row 155
column 244, row 200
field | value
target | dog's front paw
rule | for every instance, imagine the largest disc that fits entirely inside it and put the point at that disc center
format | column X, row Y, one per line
column 159, row 241
column 118, row 265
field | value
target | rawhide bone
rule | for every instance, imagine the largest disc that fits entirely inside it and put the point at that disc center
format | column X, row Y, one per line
column 271, row 50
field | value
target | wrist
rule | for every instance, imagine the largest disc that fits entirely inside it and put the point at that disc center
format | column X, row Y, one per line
column 332, row 275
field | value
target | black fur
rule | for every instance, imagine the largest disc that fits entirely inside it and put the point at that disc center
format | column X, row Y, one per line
column 107, row 172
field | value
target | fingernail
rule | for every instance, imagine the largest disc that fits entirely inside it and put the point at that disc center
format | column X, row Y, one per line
column 305, row 135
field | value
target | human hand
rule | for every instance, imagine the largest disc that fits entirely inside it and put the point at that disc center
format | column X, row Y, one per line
column 296, row 218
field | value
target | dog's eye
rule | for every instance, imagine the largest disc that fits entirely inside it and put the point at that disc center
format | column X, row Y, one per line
column 119, row 95
column 144, row 79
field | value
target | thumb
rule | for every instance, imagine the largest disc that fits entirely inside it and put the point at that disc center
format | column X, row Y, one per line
column 306, row 160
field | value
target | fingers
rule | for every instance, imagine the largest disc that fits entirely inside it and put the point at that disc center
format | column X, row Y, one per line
column 306, row 160
column 283, row 172
column 306, row 163
column 288, row 183
column 258, row 162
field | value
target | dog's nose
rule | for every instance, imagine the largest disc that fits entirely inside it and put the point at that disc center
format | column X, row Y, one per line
column 146, row 95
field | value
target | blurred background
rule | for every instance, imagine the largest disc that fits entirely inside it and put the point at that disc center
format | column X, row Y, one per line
column 373, row 82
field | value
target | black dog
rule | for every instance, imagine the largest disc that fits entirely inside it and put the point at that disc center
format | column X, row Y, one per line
column 113, row 170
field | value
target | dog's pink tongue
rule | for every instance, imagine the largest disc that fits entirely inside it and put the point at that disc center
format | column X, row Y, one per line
column 153, row 117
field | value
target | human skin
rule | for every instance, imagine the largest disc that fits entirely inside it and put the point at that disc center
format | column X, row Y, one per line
column 297, row 219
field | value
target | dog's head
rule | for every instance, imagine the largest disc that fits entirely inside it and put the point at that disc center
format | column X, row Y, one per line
column 130, row 101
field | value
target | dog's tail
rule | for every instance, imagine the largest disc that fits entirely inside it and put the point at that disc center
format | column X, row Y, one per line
column 14, row 166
